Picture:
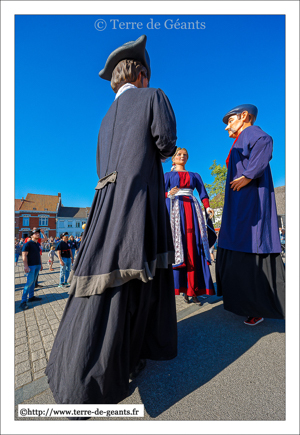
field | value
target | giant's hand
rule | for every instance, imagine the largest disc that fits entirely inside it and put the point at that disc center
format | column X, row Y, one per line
column 239, row 183
column 173, row 191
column 210, row 212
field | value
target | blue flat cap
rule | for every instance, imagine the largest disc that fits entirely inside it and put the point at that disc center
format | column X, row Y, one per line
column 253, row 110
column 135, row 50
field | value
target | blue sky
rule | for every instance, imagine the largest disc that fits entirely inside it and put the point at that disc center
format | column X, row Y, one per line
column 60, row 99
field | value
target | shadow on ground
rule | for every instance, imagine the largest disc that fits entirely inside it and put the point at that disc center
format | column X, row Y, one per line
column 46, row 298
column 207, row 343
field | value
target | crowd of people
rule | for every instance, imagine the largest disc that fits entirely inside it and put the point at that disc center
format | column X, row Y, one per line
column 64, row 249
column 147, row 237
column 45, row 245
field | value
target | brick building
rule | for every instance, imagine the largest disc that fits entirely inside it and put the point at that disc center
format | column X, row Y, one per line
column 36, row 211
column 18, row 203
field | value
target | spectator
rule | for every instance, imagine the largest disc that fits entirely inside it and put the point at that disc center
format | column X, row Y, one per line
column 211, row 251
column 65, row 257
column 51, row 258
column 216, row 242
column 41, row 251
column 282, row 236
column 78, row 242
column 18, row 249
column 73, row 245
column 32, row 265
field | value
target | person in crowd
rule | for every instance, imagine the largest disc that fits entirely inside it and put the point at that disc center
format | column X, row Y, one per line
column 282, row 240
column 31, row 257
column 249, row 270
column 211, row 251
column 121, row 309
column 73, row 245
column 42, row 237
column 51, row 255
column 65, row 257
column 282, row 236
column 18, row 250
column 192, row 239
column 216, row 242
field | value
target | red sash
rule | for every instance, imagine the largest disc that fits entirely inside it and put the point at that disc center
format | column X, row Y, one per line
column 228, row 157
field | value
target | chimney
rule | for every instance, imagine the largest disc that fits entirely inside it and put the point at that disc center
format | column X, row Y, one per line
column 59, row 195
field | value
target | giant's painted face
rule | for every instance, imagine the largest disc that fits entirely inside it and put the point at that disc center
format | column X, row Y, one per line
column 233, row 126
column 181, row 157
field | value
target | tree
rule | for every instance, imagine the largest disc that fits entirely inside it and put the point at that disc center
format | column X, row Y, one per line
column 216, row 190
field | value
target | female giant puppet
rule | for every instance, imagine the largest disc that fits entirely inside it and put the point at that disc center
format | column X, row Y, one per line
column 121, row 308
column 192, row 237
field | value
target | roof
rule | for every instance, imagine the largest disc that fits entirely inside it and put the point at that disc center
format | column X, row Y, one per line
column 40, row 202
column 73, row 212
column 18, row 203
column 280, row 200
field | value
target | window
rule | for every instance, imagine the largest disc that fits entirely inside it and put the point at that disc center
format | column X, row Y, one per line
column 25, row 221
column 43, row 222
column 70, row 224
column 77, row 224
column 61, row 224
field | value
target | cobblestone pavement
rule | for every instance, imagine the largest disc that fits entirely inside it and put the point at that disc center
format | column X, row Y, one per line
column 35, row 328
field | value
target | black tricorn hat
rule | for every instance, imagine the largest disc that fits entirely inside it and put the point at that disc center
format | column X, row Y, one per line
column 253, row 110
column 130, row 50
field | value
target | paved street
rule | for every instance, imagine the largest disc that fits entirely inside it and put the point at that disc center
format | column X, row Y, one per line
column 225, row 370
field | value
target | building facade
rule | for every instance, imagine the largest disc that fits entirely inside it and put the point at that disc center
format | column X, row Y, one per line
column 18, row 203
column 36, row 211
column 71, row 219
column 48, row 213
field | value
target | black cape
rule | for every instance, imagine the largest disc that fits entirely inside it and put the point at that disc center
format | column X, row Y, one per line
column 252, row 285
column 121, row 306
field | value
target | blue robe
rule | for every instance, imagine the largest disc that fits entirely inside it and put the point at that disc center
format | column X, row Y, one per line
column 249, row 222
column 194, row 277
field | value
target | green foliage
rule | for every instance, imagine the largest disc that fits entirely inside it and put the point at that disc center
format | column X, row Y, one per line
column 216, row 190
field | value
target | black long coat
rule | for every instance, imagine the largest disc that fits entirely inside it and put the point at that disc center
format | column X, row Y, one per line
column 122, row 305
column 127, row 235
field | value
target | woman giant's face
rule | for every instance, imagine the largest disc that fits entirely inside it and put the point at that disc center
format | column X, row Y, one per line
column 181, row 157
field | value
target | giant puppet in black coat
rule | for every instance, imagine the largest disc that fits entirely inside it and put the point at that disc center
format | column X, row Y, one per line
column 121, row 306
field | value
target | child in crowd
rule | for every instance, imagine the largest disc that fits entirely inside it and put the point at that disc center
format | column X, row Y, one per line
column 51, row 257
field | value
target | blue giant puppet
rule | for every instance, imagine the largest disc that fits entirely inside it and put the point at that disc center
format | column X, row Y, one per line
column 249, row 269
